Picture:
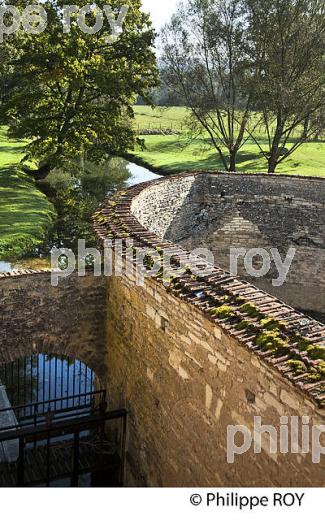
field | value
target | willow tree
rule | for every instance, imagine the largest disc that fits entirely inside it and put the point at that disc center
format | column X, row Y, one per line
column 288, row 36
column 71, row 91
column 204, row 61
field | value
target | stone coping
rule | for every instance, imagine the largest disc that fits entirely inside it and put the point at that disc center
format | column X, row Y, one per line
column 287, row 340
column 24, row 272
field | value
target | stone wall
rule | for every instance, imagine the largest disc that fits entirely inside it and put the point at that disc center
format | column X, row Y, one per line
column 185, row 372
column 65, row 320
column 184, row 380
column 220, row 211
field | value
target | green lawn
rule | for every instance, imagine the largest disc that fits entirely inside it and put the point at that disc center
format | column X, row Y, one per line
column 176, row 153
column 25, row 213
column 146, row 117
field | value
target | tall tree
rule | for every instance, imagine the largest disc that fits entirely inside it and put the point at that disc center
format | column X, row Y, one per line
column 289, row 38
column 205, row 63
column 72, row 92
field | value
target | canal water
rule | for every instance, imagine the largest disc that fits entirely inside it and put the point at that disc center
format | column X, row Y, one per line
column 42, row 378
column 76, row 203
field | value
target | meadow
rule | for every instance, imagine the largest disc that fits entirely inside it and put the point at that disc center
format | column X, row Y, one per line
column 177, row 153
column 26, row 214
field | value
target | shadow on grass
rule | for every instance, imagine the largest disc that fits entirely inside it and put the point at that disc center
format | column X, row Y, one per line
column 24, row 212
column 246, row 161
column 173, row 155
column 11, row 149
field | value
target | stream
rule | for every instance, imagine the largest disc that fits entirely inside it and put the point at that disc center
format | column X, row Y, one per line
column 76, row 197
column 75, row 205
column 40, row 378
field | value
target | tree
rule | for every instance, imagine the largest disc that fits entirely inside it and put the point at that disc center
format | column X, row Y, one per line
column 205, row 62
column 245, row 65
column 289, row 38
column 77, row 195
column 74, row 92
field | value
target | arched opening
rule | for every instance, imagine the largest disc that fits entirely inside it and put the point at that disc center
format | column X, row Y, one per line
column 51, row 380
column 55, row 427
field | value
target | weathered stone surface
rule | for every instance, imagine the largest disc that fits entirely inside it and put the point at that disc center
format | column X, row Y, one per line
column 179, row 416
column 231, row 380
column 181, row 397
column 184, row 379
column 65, row 320
column 246, row 211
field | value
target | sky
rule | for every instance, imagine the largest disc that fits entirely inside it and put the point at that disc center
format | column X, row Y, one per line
column 160, row 10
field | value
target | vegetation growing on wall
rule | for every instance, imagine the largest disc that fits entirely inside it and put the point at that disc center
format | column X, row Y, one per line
column 275, row 339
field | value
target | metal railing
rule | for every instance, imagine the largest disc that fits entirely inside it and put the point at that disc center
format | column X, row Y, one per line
column 69, row 427
column 48, row 411
column 42, row 377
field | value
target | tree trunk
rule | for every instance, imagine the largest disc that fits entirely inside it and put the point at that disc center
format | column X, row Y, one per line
column 274, row 152
column 273, row 162
column 39, row 174
column 232, row 160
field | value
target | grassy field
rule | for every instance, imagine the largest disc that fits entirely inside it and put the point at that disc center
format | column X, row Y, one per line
column 176, row 153
column 25, row 213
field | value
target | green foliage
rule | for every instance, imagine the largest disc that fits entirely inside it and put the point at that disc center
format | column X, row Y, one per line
column 245, row 325
column 314, row 376
column 297, row 366
column 321, row 368
column 302, row 343
column 272, row 324
column 316, row 352
column 223, row 312
column 289, row 36
column 230, row 61
column 77, row 194
column 272, row 341
column 251, row 310
column 73, row 93
column 205, row 66
column 177, row 153
column 317, row 374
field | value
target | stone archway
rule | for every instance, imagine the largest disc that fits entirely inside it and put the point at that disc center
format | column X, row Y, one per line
column 67, row 320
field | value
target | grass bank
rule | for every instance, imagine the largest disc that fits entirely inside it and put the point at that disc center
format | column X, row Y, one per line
column 176, row 153
column 25, row 212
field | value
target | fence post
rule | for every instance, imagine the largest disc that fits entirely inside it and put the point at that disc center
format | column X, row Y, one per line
column 48, row 458
column 123, row 448
column 21, row 462
column 75, row 462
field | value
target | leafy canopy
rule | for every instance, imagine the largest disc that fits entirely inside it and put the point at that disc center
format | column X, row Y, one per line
column 74, row 93
column 246, row 69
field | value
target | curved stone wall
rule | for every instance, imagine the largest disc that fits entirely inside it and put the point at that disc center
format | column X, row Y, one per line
column 191, row 355
column 223, row 211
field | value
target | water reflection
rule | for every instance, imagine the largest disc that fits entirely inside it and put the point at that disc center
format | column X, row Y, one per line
column 40, row 378
column 25, row 263
column 139, row 174
column 5, row 267
column 76, row 193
